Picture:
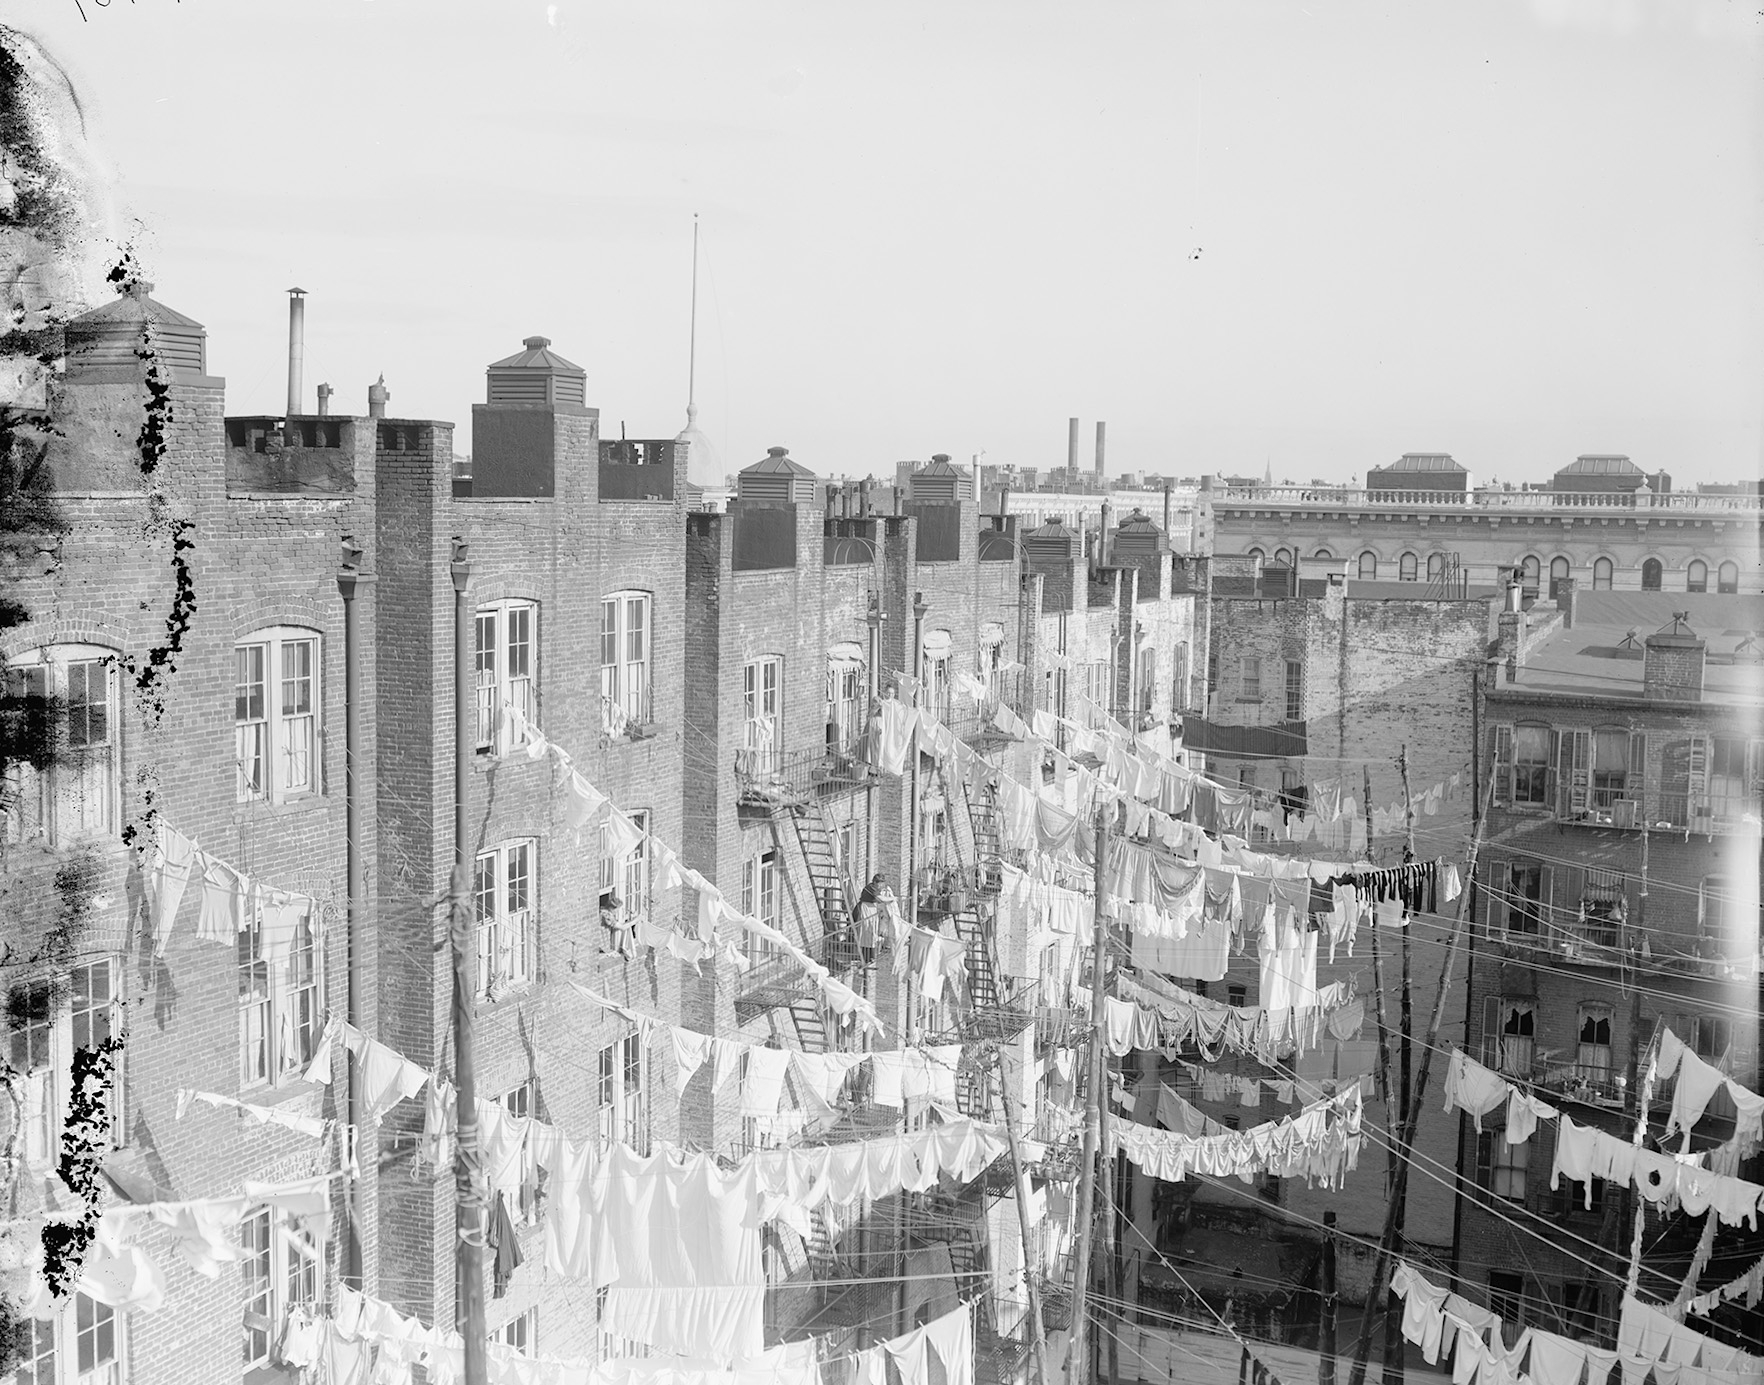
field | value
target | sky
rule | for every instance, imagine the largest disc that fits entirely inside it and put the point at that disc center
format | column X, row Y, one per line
column 1307, row 237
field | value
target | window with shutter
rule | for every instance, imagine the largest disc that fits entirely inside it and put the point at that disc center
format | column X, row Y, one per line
column 1697, row 783
column 1503, row 764
column 1574, row 772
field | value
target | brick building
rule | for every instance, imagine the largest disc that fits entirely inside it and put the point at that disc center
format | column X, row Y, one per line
column 1600, row 522
column 1621, row 894
column 1314, row 678
column 178, row 641
column 573, row 578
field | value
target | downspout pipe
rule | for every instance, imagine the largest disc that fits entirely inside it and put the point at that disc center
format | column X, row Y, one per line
column 350, row 578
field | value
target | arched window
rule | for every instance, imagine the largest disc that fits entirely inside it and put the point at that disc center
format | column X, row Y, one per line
column 1406, row 566
column 1322, row 553
column 276, row 698
column 847, row 688
column 1601, row 574
column 65, row 697
column 1435, row 566
column 1696, row 576
column 1559, row 573
column 1285, row 557
column 1727, row 578
column 1258, row 555
column 1368, row 565
column 1147, row 677
column 1529, row 570
column 1651, row 575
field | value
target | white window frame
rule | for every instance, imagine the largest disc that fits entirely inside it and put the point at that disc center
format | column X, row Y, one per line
column 847, row 694
column 503, row 878
column 52, row 1355
column 505, row 640
column 627, row 877
column 1367, row 557
column 522, row 1102
column 621, row 1093
column 1295, row 689
column 762, row 898
column 627, row 642
column 278, row 701
column 762, row 701
column 519, row 1334
column 279, row 1002
column 75, row 798
column 88, row 1011
column 283, row 1267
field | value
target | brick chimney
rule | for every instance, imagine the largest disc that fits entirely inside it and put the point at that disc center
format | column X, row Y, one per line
column 1672, row 663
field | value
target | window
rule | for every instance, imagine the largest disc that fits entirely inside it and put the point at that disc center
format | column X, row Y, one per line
column 1506, row 1295
column 1258, row 555
column 522, row 1103
column 64, row 700
column 1249, row 678
column 283, row 1267
column 1507, row 1167
column 1147, row 676
column 1735, row 778
column 1696, row 576
column 1368, row 565
column 502, row 892
column 279, row 998
column 1603, row 906
column 621, row 1107
column 1571, row 1198
column 1583, row 1302
column 504, row 638
column 1715, row 919
column 934, row 673
column 762, row 681
column 45, row 1024
column 1236, row 994
column 1284, row 557
column 1592, row 1056
column 275, row 697
column 846, row 722
column 82, row 1344
column 1525, row 899
column 1711, row 1036
column 1601, row 574
column 1406, row 567
column 1323, row 553
column 760, row 900
column 1436, row 567
column 1295, row 686
column 1531, row 764
column 1512, row 1045
column 1651, row 575
column 519, row 1334
column 1610, row 767
column 1529, row 570
column 1727, row 578
column 1179, row 679
column 624, row 662
column 625, row 875
column 1559, row 573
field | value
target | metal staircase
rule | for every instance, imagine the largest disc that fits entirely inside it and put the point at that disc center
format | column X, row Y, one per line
column 982, row 973
column 826, row 879
column 810, row 1022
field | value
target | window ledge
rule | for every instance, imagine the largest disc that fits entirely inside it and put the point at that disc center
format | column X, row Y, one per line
column 633, row 733
column 521, row 991
column 281, row 807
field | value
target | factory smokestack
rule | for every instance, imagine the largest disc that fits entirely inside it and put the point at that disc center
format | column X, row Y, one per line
column 296, row 347
column 1072, row 445
column 1100, row 427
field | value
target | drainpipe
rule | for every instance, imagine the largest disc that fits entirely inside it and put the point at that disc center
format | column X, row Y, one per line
column 349, row 577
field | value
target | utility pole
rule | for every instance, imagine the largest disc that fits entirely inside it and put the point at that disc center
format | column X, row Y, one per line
column 1386, row 1090
column 1643, row 1098
column 1381, row 1266
column 912, row 1023
column 1393, row 1335
column 1039, row 1340
column 349, row 578
column 1326, row 1336
column 1635, row 1020
column 1078, row 1351
column 468, row 1171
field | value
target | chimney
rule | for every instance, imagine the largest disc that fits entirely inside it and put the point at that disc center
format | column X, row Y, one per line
column 1102, row 535
column 1672, row 662
column 324, row 401
column 1565, row 601
column 1515, row 591
column 296, row 347
column 378, row 394
column 1512, row 641
column 1072, row 445
column 1100, row 429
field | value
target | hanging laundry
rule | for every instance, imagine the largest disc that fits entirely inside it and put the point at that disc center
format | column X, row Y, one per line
column 387, row 1078
column 1471, row 1087
column 225, row 898
column 763, row 1081
column 171, row 862
column 504, row 1246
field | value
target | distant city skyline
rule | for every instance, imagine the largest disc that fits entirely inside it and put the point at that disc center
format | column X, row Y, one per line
column 1244, row 236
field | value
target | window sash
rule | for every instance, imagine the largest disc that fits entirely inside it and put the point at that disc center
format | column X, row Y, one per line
column 1250, row 677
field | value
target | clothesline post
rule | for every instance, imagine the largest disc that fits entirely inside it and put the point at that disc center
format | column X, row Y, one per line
column 1643, row 1098
column 1381, row 1266
column 1078, row 1349
column 1039, row 1338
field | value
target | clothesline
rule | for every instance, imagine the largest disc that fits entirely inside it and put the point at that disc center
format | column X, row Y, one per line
column 586, row 802
column 1750, row 1285
column 1321, row 1142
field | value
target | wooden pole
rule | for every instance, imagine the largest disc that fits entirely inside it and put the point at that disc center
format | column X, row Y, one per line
column 1078, row 1353
column 1643, row 1098
column 1326, row 1336
column 1039, row 1341
column 1381, row 1266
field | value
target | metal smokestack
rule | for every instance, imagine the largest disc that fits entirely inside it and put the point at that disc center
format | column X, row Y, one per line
column 1100, row 426
column 296, row 347
column 1072, row 445
column 324, row 401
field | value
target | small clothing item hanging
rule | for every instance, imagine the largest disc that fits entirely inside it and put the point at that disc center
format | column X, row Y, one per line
column 504, row 1245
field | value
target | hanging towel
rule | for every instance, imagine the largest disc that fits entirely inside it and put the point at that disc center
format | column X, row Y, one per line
column 171, row 862
column 690, row 1051
column 763, row 1081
